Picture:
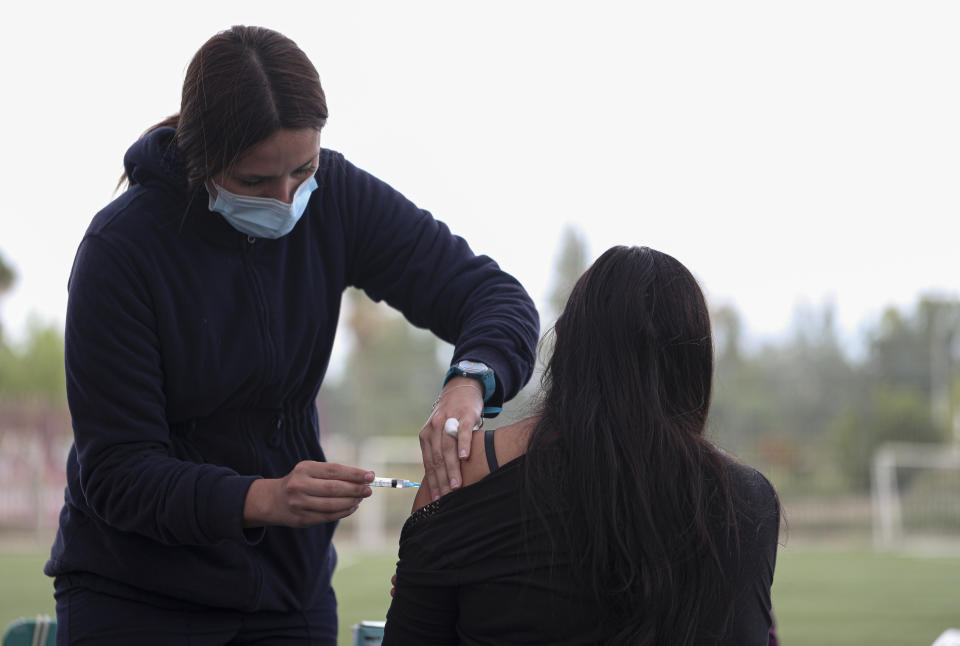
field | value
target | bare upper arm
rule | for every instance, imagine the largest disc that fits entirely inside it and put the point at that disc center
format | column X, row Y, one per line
column 509, row 443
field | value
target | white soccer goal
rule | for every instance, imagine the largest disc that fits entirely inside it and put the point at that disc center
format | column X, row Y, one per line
column 916, row 496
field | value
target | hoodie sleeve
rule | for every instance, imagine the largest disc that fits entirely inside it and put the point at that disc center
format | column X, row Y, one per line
column 114, row 378
column 399, row 253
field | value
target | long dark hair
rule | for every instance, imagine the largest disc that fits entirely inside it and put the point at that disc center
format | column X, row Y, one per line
column 241, row 86
column 619, row 449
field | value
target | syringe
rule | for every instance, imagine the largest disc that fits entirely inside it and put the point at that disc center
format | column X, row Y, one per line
column 396, row 483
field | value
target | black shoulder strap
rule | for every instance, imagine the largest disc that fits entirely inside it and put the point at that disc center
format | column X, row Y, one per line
column 491, row 452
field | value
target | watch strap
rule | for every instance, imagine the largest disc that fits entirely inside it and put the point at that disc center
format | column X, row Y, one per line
column 488, row 384
column 487, row 388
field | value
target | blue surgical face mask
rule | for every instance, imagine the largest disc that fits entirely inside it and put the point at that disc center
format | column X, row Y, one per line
column 262, row 217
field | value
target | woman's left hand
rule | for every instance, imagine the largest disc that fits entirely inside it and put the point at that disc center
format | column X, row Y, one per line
column 461, row 399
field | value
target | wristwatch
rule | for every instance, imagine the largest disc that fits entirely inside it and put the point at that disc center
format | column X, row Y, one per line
column 482, row 373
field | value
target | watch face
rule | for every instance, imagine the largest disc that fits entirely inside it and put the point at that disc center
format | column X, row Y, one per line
column 473, row 367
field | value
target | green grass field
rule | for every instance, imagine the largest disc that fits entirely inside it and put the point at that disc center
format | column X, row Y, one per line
column 835, row 597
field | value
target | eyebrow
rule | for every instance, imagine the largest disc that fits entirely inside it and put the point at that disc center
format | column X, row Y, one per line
column 249, row 176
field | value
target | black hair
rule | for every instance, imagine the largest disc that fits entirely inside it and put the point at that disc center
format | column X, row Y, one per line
column 623, row 410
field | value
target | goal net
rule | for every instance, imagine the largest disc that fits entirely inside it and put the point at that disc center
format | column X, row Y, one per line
column 916, row 496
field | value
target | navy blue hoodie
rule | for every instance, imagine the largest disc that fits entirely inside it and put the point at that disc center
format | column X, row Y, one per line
column 194, row 355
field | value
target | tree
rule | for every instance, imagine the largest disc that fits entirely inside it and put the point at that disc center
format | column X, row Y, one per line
column 7, row 279
column 921, row 351
column 906, row 383
column 33, row 403
column 34, row 370
column 727, row 331
column 893, row 414
column 774, row 406
column 571, row 263
column 393, row 374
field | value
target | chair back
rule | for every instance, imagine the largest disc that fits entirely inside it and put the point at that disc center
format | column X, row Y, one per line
column 37, row 631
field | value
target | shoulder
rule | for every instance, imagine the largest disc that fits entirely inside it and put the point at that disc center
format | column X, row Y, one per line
column 359, row 194
column 336, row 170
column 332, row 162
column 757, row 505
column 113, row 229
column 510, row 442
column 138, row 214
column 750, row 484
column 133, row 237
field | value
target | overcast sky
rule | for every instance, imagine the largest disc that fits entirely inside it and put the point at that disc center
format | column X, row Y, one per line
column 791, row 154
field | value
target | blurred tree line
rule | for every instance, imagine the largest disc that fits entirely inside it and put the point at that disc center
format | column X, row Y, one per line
column 801, row 409
column 34, row 420
column 33, row 370
column 814, row 416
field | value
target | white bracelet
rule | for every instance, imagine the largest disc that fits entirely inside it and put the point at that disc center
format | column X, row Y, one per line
column 440, row 396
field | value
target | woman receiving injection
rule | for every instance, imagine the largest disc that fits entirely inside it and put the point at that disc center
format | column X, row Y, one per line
column 608, row 517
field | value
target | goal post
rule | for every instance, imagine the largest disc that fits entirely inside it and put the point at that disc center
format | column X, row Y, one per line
column 916, row 496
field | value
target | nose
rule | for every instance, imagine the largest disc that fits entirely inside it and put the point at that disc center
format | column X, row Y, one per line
column 284, row 190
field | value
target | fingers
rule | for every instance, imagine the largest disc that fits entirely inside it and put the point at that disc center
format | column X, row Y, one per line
column 332, row 471
column 321, row 492
column 307, row 511
column 464, row 439
column 298, row 510
column 329, row 507
column 434, row 467
column 327, row 489
column 445, row 438
column 451, row 458
column 325, row 495
column 323, row 479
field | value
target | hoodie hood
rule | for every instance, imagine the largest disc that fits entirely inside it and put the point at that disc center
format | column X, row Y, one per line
column 154, row 158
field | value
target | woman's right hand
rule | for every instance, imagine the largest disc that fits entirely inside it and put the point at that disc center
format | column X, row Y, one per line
column 311, row 494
